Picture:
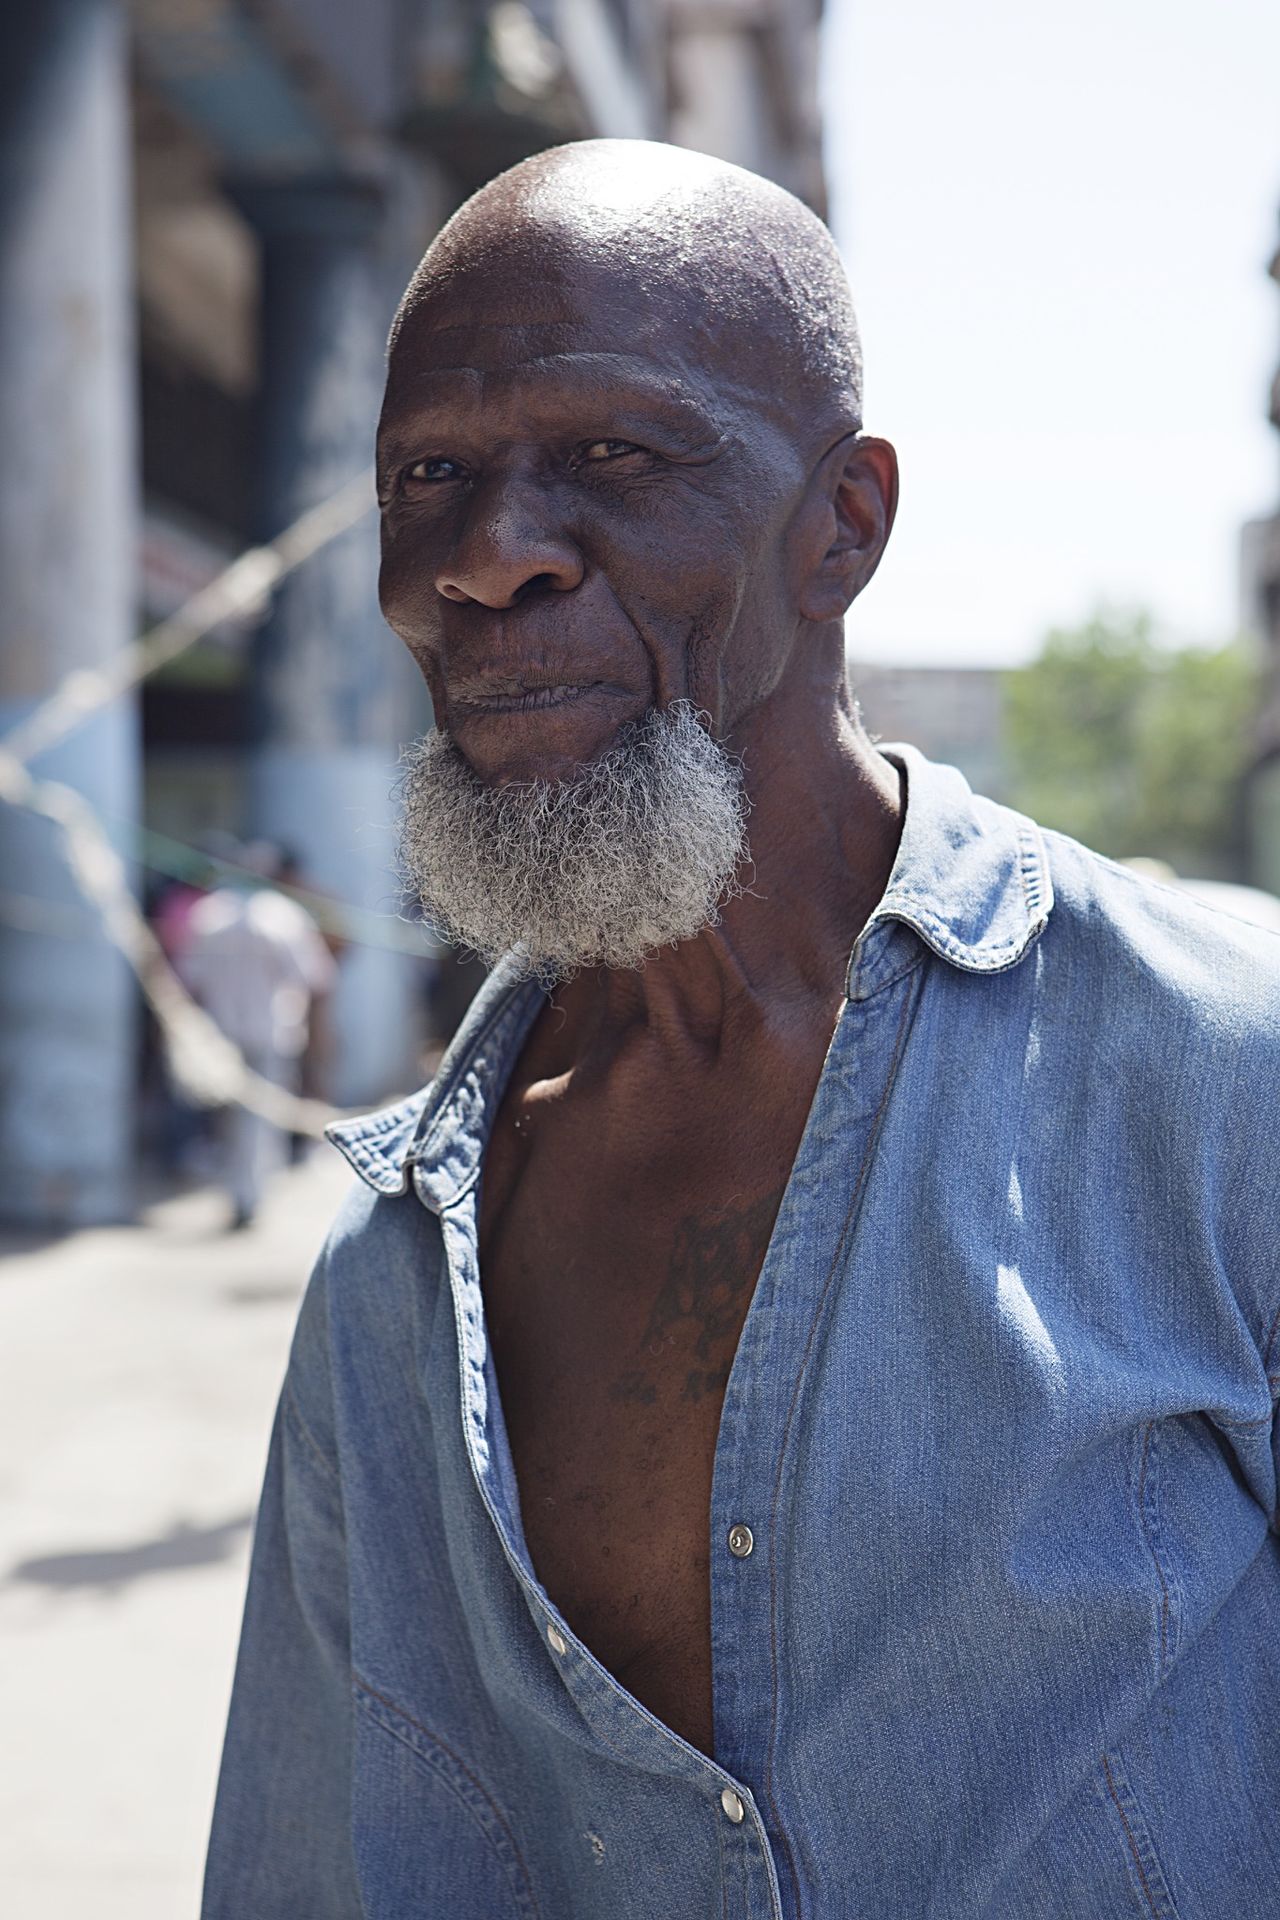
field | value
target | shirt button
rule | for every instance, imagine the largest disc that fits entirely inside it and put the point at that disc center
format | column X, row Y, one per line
column 741, row 1542
column 556, row 1640
column 733, row 1807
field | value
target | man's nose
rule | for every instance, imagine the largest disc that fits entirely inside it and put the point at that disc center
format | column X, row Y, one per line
column 508, row 549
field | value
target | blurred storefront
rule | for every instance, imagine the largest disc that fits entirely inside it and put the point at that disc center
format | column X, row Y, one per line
column 209, row 209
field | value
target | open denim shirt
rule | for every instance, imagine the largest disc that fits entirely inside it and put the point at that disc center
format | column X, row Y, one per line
column 1000, row 1423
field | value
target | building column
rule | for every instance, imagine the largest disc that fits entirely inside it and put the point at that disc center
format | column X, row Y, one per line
column 334, row 695
column 67, row 563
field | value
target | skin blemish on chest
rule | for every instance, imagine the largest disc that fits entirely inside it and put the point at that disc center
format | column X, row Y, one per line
column 701, row 1304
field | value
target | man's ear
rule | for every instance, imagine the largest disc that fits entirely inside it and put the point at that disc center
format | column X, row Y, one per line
column 845, row 524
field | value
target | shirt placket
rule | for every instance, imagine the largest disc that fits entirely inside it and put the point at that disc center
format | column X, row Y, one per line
column 806, row 1261
column 758, row 1874
column 624, row 1729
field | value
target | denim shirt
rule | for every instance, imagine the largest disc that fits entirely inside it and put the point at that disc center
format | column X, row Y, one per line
column 1007, row 1639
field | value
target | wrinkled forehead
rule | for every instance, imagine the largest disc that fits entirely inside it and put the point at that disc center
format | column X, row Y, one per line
column 534, row 306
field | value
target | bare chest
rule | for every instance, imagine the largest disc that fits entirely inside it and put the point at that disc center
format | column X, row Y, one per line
column 615, row 1307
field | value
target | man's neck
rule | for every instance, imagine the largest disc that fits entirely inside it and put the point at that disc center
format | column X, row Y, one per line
column 823, row 832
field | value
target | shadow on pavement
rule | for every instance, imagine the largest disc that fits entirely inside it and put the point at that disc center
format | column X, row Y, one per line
column 262, row 1293
column 15, row 1241
column 111, row 1568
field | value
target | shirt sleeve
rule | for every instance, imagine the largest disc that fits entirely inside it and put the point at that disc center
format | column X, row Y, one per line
column 280, row 1846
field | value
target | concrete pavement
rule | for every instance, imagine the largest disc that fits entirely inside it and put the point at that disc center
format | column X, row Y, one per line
column 141, row 1366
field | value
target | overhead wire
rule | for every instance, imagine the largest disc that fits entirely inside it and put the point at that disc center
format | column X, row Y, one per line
column 206, row 1064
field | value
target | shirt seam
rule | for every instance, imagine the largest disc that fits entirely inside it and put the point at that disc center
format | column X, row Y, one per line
column 1138, row 1838
column 362, row 1687
column 858, row 991
column 973, row 956
column 1242, row 1426
column 1272, row 1377
column 293, row 1413
column 1148, row 1520
column 1033, row 861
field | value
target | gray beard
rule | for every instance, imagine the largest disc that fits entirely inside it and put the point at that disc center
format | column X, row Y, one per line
column 635, row 851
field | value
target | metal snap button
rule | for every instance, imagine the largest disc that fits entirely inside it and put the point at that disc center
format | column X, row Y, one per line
column 733, row 1807
column 556, row 1640
column 741, row 1541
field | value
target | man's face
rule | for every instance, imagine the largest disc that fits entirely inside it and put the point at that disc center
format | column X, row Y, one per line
column 585, row 497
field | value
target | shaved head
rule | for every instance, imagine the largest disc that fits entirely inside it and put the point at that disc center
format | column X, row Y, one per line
column 748, row 268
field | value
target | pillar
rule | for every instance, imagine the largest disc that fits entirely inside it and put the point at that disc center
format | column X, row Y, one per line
column 334, row 696
column 67, row 545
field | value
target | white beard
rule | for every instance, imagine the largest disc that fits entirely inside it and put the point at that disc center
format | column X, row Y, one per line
column 635, row 851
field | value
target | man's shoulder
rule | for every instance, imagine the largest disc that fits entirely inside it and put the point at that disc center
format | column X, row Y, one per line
column 1130, row 907
column 375, row 1271
column 367, row 1232
column 1137, row 948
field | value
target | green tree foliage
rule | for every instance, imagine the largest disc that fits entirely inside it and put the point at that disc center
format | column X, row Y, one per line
column 1132, row 747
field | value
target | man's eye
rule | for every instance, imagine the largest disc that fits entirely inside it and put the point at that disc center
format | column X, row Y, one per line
column 425, row 472
column 608, row 449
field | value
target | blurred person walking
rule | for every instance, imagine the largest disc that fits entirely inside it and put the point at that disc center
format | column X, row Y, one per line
column 259, row 965
column 176, row 1128
column 316, row 1062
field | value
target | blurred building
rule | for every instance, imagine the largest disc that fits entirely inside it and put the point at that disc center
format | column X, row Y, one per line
column 953, row 714
column 1261, row 584
column 207, row 211
column 742, row 82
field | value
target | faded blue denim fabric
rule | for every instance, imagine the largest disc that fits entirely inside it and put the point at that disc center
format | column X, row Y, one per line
column 1001, row 1423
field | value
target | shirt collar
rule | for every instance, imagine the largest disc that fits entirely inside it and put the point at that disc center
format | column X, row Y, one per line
column 971, row 880
column 442, row 1127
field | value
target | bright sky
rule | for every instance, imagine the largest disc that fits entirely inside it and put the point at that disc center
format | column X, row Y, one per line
column 1057, row 221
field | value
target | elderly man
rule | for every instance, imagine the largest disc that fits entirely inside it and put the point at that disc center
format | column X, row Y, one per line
column 782, row 1428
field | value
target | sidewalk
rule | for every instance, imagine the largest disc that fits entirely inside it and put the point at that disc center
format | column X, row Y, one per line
column 141, row 1369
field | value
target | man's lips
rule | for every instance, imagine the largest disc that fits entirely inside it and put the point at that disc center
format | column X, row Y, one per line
column 527, row 725
column 473, row 699
column 520, row 699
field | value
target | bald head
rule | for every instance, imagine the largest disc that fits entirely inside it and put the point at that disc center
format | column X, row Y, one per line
column 620, row 459
column 716, row 252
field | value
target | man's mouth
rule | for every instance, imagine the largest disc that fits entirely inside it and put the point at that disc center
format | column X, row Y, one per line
column 530, row 724
column 519, row 699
